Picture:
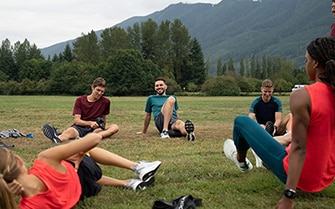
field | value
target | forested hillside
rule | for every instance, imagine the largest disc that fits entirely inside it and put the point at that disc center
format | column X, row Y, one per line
column 241, row 28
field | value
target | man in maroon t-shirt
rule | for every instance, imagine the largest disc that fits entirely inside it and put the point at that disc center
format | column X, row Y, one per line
column 89, row 116
column 332, row 28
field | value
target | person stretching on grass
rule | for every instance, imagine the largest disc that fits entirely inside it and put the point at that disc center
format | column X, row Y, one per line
column 89, row 116
column 164, row 108
column 53, row 180
column 307, row 162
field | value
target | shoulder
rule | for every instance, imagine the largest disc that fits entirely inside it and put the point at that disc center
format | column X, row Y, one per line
column 105, row 99
column 276, row 99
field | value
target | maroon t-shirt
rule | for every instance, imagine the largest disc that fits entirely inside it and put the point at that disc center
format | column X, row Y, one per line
column 332, row 31
column 89, row 111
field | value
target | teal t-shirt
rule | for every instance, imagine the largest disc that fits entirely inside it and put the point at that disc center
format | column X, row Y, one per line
column 155, row 104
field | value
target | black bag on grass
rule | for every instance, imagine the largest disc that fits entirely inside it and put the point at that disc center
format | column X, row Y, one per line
column 183, row 202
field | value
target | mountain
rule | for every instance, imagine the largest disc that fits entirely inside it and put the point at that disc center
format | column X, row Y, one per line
column 240, row 28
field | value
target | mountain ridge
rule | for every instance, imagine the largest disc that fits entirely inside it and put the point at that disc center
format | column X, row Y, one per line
column 235, row 28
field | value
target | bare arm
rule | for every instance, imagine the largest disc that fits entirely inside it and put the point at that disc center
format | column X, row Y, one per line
column 80, row 122
column 146, row 123
column 53, row 156
column 300, row 108
column 278, row 116
column 252, row 115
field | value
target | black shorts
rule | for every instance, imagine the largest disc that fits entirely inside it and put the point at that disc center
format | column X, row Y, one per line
column 160, row 122
column 83, row 130
column 89, row 173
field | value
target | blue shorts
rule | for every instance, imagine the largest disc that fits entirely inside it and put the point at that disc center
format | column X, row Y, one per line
column 83, row 130
column 159, row 122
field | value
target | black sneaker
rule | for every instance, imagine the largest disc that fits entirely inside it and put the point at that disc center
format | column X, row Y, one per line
column 51, row 133
column 101, row 122
column 189, row 127
column 269, row 127
column 6, row 145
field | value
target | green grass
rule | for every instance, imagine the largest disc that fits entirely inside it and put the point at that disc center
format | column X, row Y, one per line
column 198, row 168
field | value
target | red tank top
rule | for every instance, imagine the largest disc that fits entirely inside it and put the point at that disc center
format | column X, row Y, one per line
column 319, row 167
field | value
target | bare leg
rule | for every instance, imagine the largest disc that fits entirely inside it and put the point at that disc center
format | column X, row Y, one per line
column 180, row 126
column 285, row 124
column 107, row 158
column 241, row 156
column 69, row 133
column 167, row 110
column 109, row 131
column 108, row 181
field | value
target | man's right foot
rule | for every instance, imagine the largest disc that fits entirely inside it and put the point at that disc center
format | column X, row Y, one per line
column 230, row 151
column 165, row 134
column 137, row 184
column 51, row 133
column 145, row 169
column 189, row 127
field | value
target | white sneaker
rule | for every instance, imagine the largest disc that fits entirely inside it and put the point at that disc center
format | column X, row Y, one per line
column 259, row 162
column 165, row 134
column 137, row 184
column 145, row 169
column 231, row 153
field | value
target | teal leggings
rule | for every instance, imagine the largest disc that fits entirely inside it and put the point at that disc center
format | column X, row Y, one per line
column 248, row 133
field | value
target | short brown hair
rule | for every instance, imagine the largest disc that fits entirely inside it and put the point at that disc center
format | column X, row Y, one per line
column 99, row 82
column 160, row 79
column 267, row 83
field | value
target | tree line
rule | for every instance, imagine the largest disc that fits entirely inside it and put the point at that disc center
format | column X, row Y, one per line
column 130, row 59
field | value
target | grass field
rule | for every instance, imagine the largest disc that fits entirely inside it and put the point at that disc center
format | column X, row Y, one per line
column 198, row 168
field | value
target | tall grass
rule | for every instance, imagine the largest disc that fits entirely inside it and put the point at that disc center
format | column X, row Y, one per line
column 198, row 168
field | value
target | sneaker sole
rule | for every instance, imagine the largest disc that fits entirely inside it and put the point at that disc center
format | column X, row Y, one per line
column 145, row 184
column 49, row 132
column 146, row 176
column 189, row 126
column 190, row 137
column 269, row 127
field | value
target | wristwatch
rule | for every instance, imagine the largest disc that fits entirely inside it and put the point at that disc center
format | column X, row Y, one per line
column 290, row 193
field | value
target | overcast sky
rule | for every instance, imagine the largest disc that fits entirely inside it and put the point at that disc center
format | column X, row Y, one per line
column 47, row 22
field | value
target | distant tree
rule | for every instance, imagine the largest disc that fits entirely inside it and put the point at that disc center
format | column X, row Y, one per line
column 8, row 68
column 134, row 36
column 112, row 40
column 258, row 73
column 86, row 48
column 130, row 74
column 219, row 68
column 149, row 42
column 180, row 39
column 242, row 67
column 231, row 67
column 221, row 86
column 264, row 67
column 253, row 67
column 35, row 70
column 197, row 72
column 67, row 54
column 163, row 56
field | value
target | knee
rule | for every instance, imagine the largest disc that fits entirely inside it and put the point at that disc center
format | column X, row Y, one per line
column 171, row 99
column 114, row 128
column 241, row 119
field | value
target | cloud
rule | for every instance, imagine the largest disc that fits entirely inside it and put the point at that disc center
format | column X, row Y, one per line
column 49, row 22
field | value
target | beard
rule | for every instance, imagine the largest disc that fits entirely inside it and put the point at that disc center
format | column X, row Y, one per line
column 161, row 92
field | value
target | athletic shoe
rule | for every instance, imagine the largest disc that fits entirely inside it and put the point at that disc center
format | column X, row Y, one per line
column 145, row 169
column 137, row 184
column 269, row 127
column 189, row 127
column 231, row 153
column 165, row 134
column 259, row 162
column 51, row 133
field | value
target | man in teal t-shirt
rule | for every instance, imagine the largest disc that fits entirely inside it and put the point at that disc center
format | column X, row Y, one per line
column 164, row 109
